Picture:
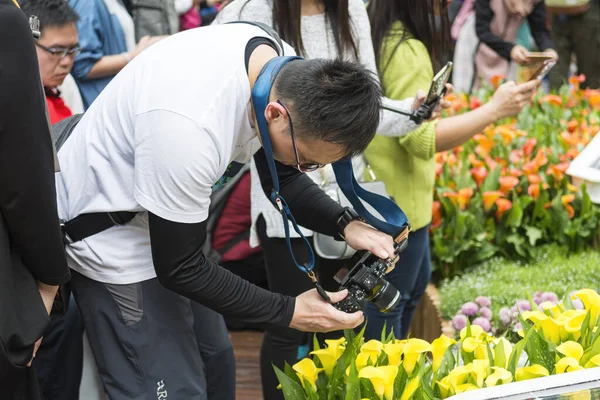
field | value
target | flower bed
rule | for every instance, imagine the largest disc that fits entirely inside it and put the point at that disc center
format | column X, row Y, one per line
column 556, row 340
column 505, row 192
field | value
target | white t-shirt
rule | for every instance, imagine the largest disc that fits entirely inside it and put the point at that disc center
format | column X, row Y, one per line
column 157, row 139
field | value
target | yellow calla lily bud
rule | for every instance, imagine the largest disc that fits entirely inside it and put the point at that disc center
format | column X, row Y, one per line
column 394, row 352
column 571, row 349
column 534, row 371
column 567, row 364
column 330, row 354
column 438, row 349
column 591, row 302
column 479, row 371
column 500, row 376
column 410, row 389
column 307, row 371
column 445, row 388
column 376, row 376
column 594, row 362
column 458, row 376
column 389, row 376
column 412, row 352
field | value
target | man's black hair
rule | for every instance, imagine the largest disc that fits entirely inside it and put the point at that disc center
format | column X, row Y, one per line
column 51, row 13
column 332, row 100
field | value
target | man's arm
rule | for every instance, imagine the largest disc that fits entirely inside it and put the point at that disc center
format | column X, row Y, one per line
column 27, row 191
column 311, row 207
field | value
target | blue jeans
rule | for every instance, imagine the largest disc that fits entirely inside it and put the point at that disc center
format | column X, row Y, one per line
column 410, row 277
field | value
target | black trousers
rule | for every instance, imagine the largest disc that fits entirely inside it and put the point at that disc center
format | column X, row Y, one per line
column 287, row 344
column 151, row 343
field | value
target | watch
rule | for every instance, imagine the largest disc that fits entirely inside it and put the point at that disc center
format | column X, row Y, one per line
column 348, row 215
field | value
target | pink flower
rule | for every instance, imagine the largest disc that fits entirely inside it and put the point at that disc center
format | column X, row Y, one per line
column 483, row 301
column 549, row 296
column 469, row 309
column 523, row 305
column 484, row 323
column 505, row 315
column 459, row 322
column 485, row 312
column 517, row 327
column 537, row 297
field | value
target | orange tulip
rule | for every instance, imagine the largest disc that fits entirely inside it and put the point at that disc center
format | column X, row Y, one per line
column 507, row 134
column 575, row 80
column 475, row 162
column 571, row 154
column 492, row 165
column 534, row 179
column 552, row 99
column 451, row 160
column 540, row 158
column 594, row 100
column 567, row 199
column 572, row 125
column 530, row 168
column 489, row 199
column 558, row 170
column 503, row 205
column 529, row 145
column 496, row 80
column 569, row 139
column 436, row 214
column 484, row 144
column 534, row 191
column 515, row 172
column 464, row 197
column 507, row 183
column 515, row 156
column 479, row 175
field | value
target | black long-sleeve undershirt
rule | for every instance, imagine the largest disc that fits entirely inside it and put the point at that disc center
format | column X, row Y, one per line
column 182, row 267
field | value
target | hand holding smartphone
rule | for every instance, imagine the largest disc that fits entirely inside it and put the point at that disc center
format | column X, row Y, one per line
column 543, row 70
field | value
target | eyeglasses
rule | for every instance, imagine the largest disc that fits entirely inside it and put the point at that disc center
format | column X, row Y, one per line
column 307, row 167
column 60, row 52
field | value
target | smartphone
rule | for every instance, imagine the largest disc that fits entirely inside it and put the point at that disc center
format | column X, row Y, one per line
column 438, row 85
column 543, row 70
column 538, row 57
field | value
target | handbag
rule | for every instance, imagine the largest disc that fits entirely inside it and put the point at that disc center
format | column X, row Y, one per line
column 326, row 246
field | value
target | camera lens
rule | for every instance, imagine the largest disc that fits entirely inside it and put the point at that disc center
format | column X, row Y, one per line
column 386, row 298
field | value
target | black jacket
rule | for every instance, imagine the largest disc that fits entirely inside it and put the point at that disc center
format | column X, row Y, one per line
column 30, row 241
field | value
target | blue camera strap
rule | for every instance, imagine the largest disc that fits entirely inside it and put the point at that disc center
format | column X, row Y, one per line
column 395, row 220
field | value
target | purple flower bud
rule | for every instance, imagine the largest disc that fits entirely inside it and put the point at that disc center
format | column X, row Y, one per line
column 513, row 310
column 459, row 322
column 577, row 304
column 485, row 312
column 469, row 309
column 523, row 305
column 483, row 301
column 484, row 323
column 537, row 298
column 517, row 327
column 549, row 296
column 505, row 315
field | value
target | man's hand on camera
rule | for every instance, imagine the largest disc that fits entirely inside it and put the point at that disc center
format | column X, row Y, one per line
column 313, row 314
column 361, row 236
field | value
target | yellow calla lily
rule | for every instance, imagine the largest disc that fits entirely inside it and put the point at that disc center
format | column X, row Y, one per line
column 502, row 351
column 438, row 349
column 571, row 349
column 412, row 352
column 574, row 320
column 410, row 389
column 555, row 309
column 476, row 331
column 552, row 329
column 330, row 354
column 362, row 360
column 307, row 371
column 372, row 346
column 465, row 388
column 534, row 371
column 594, row 362
column 477, row 346
column 376, row 376
column 500, row 376
column 591, row 302
column 458, row 376
column 534, row 316
column 479, row 371
column 445, row 388
column 394, row 352
column 567, row 364
column 389, row 376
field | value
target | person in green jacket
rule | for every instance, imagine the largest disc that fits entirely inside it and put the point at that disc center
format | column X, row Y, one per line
column 407, row 46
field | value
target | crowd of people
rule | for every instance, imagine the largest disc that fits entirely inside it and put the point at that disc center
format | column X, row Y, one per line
column 144, row 216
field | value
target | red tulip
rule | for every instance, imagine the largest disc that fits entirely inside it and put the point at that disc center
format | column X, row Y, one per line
column 507, row 183
column 479, row 175
column 502, row 205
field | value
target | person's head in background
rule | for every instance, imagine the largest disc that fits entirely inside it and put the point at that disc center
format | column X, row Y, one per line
column 287, row 20
column 59, row 43
column 418, row 17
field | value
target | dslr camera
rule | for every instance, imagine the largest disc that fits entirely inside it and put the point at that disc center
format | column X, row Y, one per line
column 365, row 280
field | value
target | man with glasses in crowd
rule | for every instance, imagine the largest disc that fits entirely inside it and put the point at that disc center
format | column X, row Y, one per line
column 141, row 166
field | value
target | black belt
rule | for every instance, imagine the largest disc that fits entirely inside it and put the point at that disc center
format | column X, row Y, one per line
column 86, row 225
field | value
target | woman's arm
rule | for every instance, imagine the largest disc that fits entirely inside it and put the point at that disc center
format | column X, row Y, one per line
column 539, row 29
column 483, row 18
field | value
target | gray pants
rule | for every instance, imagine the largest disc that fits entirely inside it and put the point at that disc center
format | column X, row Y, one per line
column 150, row 343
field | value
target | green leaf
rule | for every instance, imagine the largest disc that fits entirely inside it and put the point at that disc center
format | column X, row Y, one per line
column 367, row 389
column 515, row 216
column 316, row 345
column 534, row 234
column 515, row 355
column 383, row 332
column 291, row 389
column 400, row 382
column 310, row 390
column 291, row 373
column 491, row 182
column 353, row 385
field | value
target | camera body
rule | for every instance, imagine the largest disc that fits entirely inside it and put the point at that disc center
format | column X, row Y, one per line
column 365, row 281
